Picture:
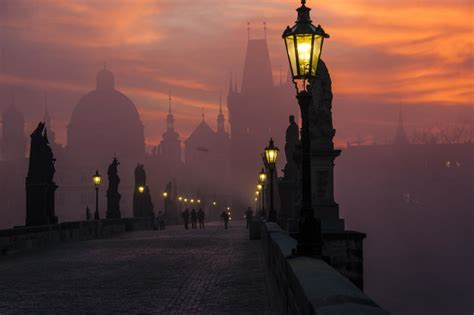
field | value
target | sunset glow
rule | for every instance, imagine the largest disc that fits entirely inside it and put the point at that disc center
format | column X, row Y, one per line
column 380, row 52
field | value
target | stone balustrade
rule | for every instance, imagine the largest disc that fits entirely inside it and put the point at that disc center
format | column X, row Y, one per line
column 304, row 285
column 35, row 237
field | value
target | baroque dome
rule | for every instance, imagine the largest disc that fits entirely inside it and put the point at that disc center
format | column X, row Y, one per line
column 105, row 123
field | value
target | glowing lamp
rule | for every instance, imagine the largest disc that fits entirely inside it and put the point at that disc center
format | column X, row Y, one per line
column 141, row 189
column 259, row 187
column 257, row 193
column 185, row 199
column 165, row 194
column 192, row 200
column 271, row 153
column 262, row 176
column 199, row 201
column 180, row 198
column 214, row 203
column 96, row 178
column 304, row 43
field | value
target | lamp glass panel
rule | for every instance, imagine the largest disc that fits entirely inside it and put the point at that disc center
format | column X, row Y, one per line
column 96, row 180
column 291, row 50
column 317, row 47
column 303, row 46
column 271, row 155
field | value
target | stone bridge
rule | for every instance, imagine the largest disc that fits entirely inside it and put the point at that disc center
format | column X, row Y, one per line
column 175, row 271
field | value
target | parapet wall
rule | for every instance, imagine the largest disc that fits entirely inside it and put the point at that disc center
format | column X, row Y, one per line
column 305, row 285
column 36, row 237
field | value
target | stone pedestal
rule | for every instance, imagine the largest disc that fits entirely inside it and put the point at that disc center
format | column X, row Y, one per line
column 40, row 203
column 325, row 207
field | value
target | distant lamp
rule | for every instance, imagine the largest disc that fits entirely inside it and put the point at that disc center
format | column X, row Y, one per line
column 141, row 189
column 199, row 201
column 228, row 208
column 271, row 153
column 165, row 194
column 192, row 200
column 96, row 178
column 304, row 43
column 259, row 187
column 257, row 193
column 262, row 177
column 180, row 198
column 214, row 203
column 185, row 199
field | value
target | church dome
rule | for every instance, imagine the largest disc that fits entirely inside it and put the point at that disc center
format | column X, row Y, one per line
column 105, row 122
column 105, row 80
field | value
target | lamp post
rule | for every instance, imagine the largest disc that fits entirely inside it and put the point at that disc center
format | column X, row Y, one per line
column 271, row 154
column 304, row 43
column 96, row 179
column 165, row 197
column 262, row 178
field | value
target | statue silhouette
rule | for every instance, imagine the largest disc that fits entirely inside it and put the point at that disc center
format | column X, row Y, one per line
column 113, row 196
column 40, row 185
column 321, row 127
column 142, row 204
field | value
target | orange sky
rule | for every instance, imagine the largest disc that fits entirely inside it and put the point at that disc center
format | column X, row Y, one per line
column 388, row 52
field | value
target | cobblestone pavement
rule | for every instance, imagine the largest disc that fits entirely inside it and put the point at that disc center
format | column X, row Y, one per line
column 177, row 271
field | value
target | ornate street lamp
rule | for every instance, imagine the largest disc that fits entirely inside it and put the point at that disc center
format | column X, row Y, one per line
column 271, row 155
column 304, row 43
column 141, row 189
column 262, row 178
column 96, row 179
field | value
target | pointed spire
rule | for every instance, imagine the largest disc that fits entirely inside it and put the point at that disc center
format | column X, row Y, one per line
column 169, row 102
column 220, row 103
column 248, row 30
column 265, row 29
column 169, row 117
column 231, row 85
column 203, row 118
column 220, row 117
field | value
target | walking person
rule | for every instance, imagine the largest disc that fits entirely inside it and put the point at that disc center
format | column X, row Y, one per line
column 248, row 216
column 201, row 216
column 186, row 218
column 193, row 219
column 225, row 217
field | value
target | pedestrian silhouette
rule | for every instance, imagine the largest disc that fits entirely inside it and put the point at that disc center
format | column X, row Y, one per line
column 225, row 217
column 201, row 217
column 185, row 215
column 248, row 216
column 88, row 214
column 161, row 221
column 193, row 219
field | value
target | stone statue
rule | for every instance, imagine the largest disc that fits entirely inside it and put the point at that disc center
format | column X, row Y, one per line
column 113, row 196
column 40, row 185
column 321, row 127
column 142, row 204
column 292, row 140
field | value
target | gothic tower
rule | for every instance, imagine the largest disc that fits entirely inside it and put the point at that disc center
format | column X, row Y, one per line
column 170, row 147
column 257, row 112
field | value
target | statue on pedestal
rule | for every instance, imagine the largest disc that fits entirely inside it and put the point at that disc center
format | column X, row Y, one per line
column 113, row 196
column 40, row 185
column 292, row 141
column 142, row 204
